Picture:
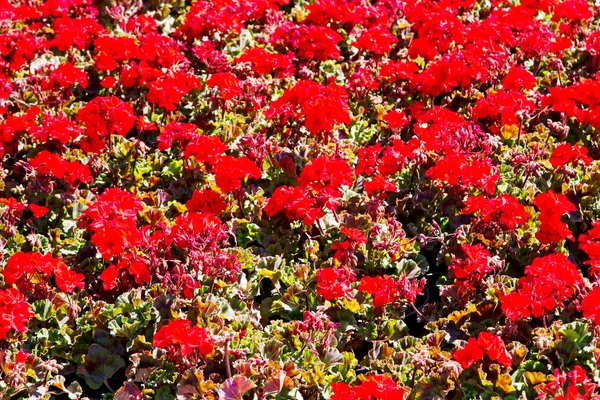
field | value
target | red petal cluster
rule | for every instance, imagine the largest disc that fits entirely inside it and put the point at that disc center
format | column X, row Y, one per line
column 486, row 344
column 548, row 282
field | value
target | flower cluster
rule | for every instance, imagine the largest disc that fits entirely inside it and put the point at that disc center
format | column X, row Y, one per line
column 374, row 386
column 486, row 345
column 548, row 282
column 255, row 199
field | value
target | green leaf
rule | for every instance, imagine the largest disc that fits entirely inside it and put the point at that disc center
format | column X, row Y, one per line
column 43, row 310
column 368, row 331
column 578, row 333
column 99, row 365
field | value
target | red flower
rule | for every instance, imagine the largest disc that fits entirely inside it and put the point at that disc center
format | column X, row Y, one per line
column 465, row 172
column 68, row 280
column 368, row 157
column 262, row 62
column 322, row 172
column 372, row 387
column 38, row 211
column 379, row 186
column 383, row 289
column 139, row 270
column 15, row 312
column 591, row 305
column 114, row 51
column 503, row 107
column 230, row 171
column 280, row 200
column 342, row 391
column 565, row 153
column 386, row 290
column 394, row 71
column 332, row 12
column 183, row 336
column 200, row 236
column 108, row 82
column 206, row 149
column 572, row 10
column 322, row 106
column 377, row 40
column 76, row 171
column 183, row 134
column 318, row 42
column 130, row 264
column 167, row 91
column 572, row 385
column 104, row 116
column 111, row 238
column 323, row 112
column 78, row 32
column 577, row 101
column 206, row 201
column 444, row 75
column 548, row 282
column 504, row 210
column 46, row 163
column 66, row 75
column 379, row 387
column 469, row 355
column 296, row 203
column 590, row 243
column 334, row 283
column 518, row 78
column 552, row 207
column 474, row 265
column 109, row 277
column 354, row 235
column 228, row 84
column 396, row 119
column 58, row 128
column 516, row 305
column 485, row 344
column 21, row 356
column 112, row 219
column 493, row 346
column 592, row 43
column 25, row 265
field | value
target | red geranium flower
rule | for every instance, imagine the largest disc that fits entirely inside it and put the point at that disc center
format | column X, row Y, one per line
column 334, row 283
column 228, row 84
column 104, row 116
column 552, row 207
column 377, row 40
column 548, row 283
column 182, row 335
column 565, row 153
column 591, row 305
column 15, row 312
column 68, row 280
column 372, row 387
column 485, row 344
column 206, row 201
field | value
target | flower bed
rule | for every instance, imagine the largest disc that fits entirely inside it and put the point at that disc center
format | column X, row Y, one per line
column 265, row 199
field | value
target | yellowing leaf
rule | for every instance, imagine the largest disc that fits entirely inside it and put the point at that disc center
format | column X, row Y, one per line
column 351, row 305
column 504, row 382
column 272, row 275
column 509, row 132
column 534, row 377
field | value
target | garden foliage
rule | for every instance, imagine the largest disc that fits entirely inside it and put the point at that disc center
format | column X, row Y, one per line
column 324, row 199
